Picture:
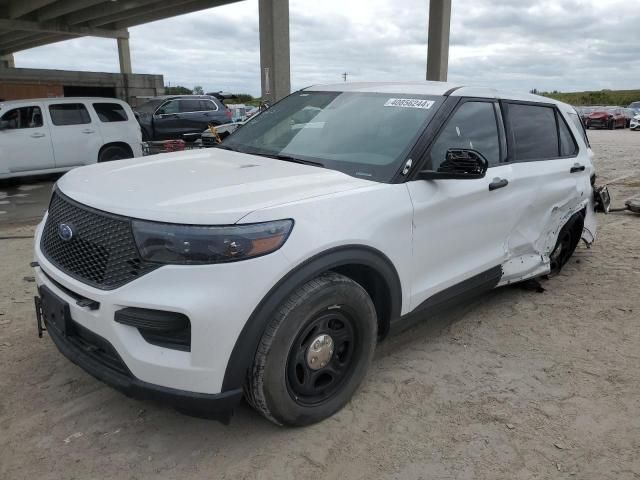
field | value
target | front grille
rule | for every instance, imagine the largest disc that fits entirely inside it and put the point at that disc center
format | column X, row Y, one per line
column 102, row 251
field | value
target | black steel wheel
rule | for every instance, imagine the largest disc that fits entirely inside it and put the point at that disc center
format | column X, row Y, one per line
column 314, row 353
column 321, row 357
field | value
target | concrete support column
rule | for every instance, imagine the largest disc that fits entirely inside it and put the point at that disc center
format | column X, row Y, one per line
column 438, row 41
column 7, row 61
column 274, row 49
column 124, row 55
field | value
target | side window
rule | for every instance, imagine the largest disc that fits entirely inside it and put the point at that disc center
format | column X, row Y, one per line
column 533, row 131
column 472, row 126
column 110, row 112
column 169, row 107
column 23, row 117
column 575, row 118
column 69, row 114
column 568, row 146
column 207, row 105
column 187, row 106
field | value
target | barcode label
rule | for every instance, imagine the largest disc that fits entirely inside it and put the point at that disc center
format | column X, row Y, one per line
column 409, row 103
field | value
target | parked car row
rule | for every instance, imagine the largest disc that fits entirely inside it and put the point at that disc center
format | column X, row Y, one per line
column 606, row 117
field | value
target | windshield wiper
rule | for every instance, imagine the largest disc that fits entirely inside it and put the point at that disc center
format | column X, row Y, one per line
column 288, row 158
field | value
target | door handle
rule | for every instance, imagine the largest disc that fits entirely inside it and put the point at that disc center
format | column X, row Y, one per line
column 88, row 130
column 577, row 168
column 498, row 183
column 37, row 135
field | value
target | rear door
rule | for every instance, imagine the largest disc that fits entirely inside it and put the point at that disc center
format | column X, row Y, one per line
column 25, row 142
column 461, row 226
column 194, row 119
column 548, row 174
column 75, row 134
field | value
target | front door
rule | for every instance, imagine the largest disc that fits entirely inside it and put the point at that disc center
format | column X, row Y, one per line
column 461, row 226
column 25, row 143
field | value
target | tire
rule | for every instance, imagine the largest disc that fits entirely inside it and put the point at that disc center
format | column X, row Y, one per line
column 566, row 244
column 113, row 152
column 282, row 384
column 611, row 125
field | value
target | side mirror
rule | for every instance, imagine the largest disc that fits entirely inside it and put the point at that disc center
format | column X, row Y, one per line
column 459, row 164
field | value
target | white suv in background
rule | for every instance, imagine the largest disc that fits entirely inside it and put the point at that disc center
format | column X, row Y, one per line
column 56, row 134
column 270, row 266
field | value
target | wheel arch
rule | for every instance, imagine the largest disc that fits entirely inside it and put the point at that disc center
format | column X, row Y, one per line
column 367, row 266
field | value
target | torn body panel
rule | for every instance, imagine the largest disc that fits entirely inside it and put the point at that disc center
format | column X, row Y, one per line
column 550, row 196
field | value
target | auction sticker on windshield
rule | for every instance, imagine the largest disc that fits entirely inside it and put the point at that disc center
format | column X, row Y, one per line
column 409, row 103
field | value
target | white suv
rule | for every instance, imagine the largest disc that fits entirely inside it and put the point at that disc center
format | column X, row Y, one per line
column 57, row 134
column 269, row 267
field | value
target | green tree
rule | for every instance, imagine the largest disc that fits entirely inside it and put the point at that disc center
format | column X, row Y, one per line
column 198, row 90
column 177, row 90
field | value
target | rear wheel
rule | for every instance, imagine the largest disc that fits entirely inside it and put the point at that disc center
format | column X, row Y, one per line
column 314, row 353
column 113, row 152
column 568, row 240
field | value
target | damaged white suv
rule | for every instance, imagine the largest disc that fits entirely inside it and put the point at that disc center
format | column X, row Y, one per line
column 269, row 267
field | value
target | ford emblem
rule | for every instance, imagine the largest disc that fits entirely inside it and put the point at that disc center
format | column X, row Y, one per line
column 65, row 232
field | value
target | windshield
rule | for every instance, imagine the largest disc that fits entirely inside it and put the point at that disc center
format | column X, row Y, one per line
column 366, row 135
column 150, row 106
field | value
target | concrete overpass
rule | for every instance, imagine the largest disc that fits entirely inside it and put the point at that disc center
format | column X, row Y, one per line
column 27, row 24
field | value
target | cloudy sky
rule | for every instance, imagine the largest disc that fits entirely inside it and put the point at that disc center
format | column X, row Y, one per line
column 566, row 45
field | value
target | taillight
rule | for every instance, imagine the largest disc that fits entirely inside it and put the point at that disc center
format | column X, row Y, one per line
column 228, row 113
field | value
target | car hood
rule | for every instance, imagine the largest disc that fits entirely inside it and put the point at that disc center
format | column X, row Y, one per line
column 210, row 187
column 599, row 115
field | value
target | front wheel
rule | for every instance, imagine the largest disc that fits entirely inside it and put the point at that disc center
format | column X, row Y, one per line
column 314, row 353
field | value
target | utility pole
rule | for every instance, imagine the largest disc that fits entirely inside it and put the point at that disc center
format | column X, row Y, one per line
column 438, row 41
column 344, row 76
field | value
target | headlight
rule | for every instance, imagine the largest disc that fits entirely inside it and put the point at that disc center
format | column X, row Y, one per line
column 195, row 244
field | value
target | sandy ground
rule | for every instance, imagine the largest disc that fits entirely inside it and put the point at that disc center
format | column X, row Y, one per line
column 520, row 385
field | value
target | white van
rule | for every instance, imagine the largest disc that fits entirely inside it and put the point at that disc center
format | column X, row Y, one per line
column 57, row 134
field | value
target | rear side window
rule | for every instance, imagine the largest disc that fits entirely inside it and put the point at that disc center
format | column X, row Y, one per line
column 207, row 105
column 187, row 106
column 23, row 117
column 69, row 114
column 472, row 126
column 533, row 132
column 110, row 112
column 575, row 118
column 568, row 147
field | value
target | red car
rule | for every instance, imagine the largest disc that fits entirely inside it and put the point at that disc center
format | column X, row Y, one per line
column 606, row 118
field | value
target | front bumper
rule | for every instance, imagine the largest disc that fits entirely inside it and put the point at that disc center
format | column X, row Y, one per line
column 82, row 352
column 217, row 299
